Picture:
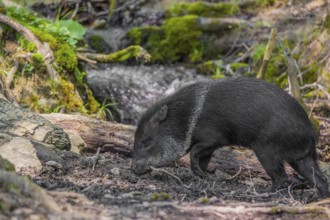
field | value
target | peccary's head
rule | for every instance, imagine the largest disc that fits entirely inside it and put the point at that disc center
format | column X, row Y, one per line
column 155, row 144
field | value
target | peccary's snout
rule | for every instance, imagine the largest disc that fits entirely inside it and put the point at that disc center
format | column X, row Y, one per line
column 140, row 167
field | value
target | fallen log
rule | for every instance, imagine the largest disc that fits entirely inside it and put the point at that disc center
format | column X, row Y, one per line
column 110, row 136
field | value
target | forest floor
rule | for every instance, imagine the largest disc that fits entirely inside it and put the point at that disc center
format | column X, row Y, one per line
column 239, row 188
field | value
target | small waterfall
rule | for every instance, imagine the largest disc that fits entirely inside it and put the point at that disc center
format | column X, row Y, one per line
column 135, row 88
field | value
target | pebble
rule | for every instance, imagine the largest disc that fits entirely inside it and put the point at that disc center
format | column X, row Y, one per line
column 54, row 164
column 115, row 171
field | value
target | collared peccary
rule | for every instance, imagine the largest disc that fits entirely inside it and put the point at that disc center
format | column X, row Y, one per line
column 204, row 116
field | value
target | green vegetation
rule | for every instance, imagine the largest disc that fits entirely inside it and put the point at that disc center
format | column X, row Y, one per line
column 62, row 37
column 203, row 9
column 179, row 37
column 160, row 197
column 6, row 165
column 204, row 200
column 104, row 109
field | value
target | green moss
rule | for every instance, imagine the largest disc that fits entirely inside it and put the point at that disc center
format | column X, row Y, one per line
column 327, row 22
column 182, row 38
column 97, row 43
column 11, row 187
column 38, row 61
column 38, row 58
column 70, row 99
column 310, row 73
column 178, row 38
column 209, row 67
column 160, row 197
column 27, row 45
column 263, row 3
column 275, row 210
column 92, row 104
column 238, row 66
column 66, row 58
column 203, row 9
column 203, row 200
column 276, row 66
column 6, row 165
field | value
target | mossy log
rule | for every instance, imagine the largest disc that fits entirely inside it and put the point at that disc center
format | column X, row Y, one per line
column 119, row 56
column 109, row 136
column 42, row 48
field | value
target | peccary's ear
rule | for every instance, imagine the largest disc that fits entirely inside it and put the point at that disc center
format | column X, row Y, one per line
column 160, row 115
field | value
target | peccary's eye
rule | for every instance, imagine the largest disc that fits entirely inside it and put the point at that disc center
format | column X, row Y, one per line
column 146, row 142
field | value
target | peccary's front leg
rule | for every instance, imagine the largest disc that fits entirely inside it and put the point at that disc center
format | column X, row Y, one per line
column 200, row 157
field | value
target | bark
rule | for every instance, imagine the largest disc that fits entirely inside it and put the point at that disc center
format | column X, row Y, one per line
column 109, row 136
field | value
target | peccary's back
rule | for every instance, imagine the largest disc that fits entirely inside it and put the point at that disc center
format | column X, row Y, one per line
column 247, row 111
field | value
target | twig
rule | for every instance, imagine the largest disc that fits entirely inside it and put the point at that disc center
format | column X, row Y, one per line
column 318, row 85
column 289, row 191
column 76, row 9
column 313, row 106
column 170, row 174
column 184, row 196
column 10, row 74
column 97, row 156
column 323, row 118
column 236, row 174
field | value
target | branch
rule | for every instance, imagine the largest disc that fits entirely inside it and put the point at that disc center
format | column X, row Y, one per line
column 268, row 53
column 42, row 48
column 119, row 56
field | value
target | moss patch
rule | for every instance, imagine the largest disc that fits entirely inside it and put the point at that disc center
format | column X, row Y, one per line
column 203, row 9
column 178, row 38
column 6, row 165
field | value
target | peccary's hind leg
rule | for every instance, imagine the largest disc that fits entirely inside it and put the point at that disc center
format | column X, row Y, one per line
column 200, row 157
column 274, row 168
column 309, row 169
column 205, row 160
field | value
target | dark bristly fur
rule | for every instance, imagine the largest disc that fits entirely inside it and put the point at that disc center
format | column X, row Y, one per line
column 240, row 111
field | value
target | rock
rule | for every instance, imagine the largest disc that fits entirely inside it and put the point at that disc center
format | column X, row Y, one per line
column 6, row 165
column 131, row 195
column 21, row 122
column 21, row 152
column 77, row 143
column 115, row 171
column 108, row 40
column 54, row 164
column 222, row 175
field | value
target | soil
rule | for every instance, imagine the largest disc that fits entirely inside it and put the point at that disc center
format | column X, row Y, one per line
column 237, row 187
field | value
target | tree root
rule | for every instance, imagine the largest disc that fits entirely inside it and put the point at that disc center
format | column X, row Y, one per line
column 42, row 48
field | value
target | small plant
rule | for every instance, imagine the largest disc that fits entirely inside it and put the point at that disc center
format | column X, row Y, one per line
column 163, row 196
column 104, row 109
column 58, row 108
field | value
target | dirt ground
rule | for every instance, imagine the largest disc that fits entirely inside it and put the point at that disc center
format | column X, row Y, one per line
column 237, row 188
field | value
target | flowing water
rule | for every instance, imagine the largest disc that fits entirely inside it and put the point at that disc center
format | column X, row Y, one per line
column 135, row 88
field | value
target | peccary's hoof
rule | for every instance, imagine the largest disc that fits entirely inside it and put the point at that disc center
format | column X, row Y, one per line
column 201, row 174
